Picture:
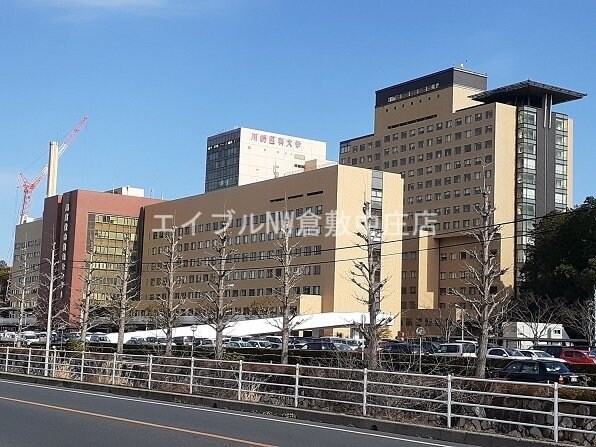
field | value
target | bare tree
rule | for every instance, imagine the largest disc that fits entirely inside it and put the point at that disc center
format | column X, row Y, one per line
column 216, row 304
column 581, row 317
column 286, row 296
column 49, row 303
column 537, row 314
column 124, row 299
column 366, row 275
column 483, row 274
column 17, row 295
column 49, row 306
column 170, row 305
column 88, row 309
column 447, row 322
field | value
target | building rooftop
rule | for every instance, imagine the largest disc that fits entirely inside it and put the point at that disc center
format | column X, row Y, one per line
column 527, row 92
column 434, row 81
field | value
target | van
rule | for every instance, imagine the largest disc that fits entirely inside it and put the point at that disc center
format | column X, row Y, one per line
column 97, row 338
column 243, row 338
column 456, row 350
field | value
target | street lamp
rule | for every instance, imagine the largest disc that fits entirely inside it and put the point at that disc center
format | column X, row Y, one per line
column 463, row 316
column 193, row 329
column 421, row 332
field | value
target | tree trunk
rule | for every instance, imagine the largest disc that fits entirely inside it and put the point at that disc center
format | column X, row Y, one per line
column 219, row 342
column 480, row 369
column 285, row 336
column 168, row 339
column 121, row 326
column 85, row 319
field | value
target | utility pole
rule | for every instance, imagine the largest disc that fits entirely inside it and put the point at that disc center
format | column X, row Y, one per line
column 50, row 302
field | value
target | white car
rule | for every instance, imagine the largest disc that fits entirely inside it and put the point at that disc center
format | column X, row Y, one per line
column 456, row 350
column 262, row 344
column 536, row 354
column 505, row 353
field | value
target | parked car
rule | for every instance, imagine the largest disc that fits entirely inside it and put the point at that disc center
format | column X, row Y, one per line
column 577, row 356
column 29, row 338
column 430, row 347
column 539, row 371
column 238, row 344
column 98, row 338
column 206, row 342
column 456, row 350
column 504, row 353
column 262, row 344
column 538, row 354
column 136, row 341
column 554, row 350
column 243, row 338
column 399, row 348
column 343, row 347
column 182, row 340
column 353, row 344
column 273, row 339
column 320, row 346
column 8, row 336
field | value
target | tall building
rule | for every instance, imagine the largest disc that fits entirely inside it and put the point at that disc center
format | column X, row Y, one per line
column 24, row 281
column 326, row 205
column 82, row 224
column 446, row 134
column 242, row 156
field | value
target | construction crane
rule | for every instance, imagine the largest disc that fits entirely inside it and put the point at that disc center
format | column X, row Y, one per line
column 29, row 186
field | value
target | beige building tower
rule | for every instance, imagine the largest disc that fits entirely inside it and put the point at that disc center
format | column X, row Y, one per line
column 446, row 135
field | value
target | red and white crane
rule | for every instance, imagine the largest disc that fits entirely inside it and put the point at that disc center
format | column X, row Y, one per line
column 29, row 186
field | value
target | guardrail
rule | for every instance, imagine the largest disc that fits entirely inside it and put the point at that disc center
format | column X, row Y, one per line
column 542, row 411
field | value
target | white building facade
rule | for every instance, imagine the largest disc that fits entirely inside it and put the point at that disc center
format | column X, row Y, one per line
column 242, row 156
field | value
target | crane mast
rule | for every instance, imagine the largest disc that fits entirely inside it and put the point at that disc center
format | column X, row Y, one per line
column 29, row 186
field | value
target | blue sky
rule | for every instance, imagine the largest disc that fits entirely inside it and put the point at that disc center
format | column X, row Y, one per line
column 156, row 77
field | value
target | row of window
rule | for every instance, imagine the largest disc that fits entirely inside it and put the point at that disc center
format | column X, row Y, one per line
column 21, row 257
column 456, row 164
column 477, row 175
column 421, row 130
column 421, row 157
column 115, row 220
column 239, row 275
column 246, row 257
column 446, row 195
column 32, row 243
column 235, row 293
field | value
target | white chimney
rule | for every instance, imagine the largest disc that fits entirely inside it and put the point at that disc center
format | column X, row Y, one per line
column 52, row 169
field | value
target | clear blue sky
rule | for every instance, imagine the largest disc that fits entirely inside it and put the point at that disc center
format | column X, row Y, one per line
column 156, row 77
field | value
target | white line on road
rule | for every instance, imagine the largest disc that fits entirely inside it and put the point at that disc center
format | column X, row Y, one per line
column 231, row 413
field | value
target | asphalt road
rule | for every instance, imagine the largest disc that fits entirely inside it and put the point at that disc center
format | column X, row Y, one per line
column 40, row 415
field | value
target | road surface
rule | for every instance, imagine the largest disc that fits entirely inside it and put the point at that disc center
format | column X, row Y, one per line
column 40, row 415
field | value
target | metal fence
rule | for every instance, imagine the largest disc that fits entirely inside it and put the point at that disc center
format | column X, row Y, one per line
column 559, row 413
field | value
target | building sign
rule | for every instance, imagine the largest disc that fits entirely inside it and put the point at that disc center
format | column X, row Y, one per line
column 275, row 141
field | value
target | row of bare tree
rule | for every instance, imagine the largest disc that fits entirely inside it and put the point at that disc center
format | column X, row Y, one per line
column 487, row 308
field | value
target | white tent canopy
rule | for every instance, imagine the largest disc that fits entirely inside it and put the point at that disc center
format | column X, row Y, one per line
column 260, row 326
